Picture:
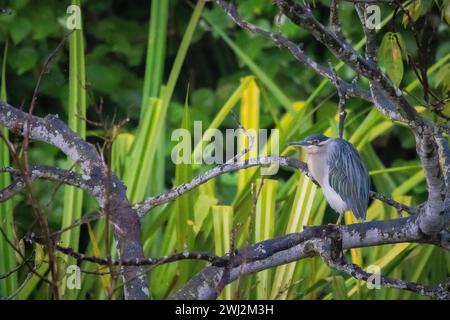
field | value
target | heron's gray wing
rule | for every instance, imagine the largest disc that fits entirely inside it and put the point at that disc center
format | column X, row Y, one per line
column 348, row 176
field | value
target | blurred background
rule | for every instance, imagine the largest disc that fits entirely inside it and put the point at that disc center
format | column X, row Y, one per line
column 165, row 64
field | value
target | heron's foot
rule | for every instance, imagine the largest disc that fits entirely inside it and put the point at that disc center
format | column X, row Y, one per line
column 338, row 222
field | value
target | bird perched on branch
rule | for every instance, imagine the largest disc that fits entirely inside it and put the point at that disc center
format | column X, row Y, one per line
column 338, row 168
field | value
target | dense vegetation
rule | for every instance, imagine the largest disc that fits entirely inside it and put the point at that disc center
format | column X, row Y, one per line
column 209, row 67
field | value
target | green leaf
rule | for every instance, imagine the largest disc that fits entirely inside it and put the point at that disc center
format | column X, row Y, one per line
column 156, row 48
column 415, row 10
column 256, row 70
column 7, row 253
column 23, row 60
column 223, row 223
column 390, row 57
column 20, row 29
column 105, row 78
column 443, row 77
column 73, row 197
column 446, row 12
column 44, row 23
column 264, row 229
column 402, row 46
column 338, row 288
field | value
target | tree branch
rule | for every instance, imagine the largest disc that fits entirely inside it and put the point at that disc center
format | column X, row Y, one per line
column 143, row 207
column 125, row 220
column 51, row 174
column 296, row 50
column 297, row 246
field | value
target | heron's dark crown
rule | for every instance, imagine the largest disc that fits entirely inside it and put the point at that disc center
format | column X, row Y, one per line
column 315, row 139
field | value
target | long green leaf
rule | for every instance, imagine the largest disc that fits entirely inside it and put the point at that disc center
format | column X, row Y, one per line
column 7, row 259
column 73, row 198
column 156, row 47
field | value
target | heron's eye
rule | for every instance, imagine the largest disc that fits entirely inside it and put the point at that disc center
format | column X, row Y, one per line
column 315, row 141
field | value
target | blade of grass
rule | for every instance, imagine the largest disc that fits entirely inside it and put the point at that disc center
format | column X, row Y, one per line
column 105, row 280
column 120, row 149
column 298, row 217
column 338, row 288
column 156, row 48
column 154, row 70
column 257, row 71
column 249, row 117
column 396, row 169
column 143, row 151
column 264, row 230
column 221, row 115
column 184, row 205
column 223, row 222
column 7, row 259
column 73, row 198
column 148, row 134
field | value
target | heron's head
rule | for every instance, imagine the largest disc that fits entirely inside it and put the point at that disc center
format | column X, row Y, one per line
column 313, row 143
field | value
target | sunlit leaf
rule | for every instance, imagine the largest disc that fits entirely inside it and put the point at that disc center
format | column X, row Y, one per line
column 390, row 58
column 414, row 10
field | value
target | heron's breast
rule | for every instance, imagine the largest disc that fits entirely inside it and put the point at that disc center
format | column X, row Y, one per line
column 317, row 166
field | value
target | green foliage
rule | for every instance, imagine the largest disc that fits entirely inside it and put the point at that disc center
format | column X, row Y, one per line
column 195, row 65
column 443, row 77
column 390, row 54
column 8, row 254
column 413, row 11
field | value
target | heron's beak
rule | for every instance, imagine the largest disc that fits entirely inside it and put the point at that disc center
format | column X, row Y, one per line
column 301, row 143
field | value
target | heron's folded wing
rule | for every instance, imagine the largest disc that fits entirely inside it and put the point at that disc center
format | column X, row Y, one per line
column 348, row 176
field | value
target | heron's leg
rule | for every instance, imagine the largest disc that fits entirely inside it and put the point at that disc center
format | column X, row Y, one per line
column 339, row 220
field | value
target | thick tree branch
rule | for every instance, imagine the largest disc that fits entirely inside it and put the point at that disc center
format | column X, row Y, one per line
column 185, row 255
column 432, row 219
column 371, row 45
column 124, row 219
column 427, row 226
column 303, row 17
column 387, row 97
column 325, row 250
column 297, row 246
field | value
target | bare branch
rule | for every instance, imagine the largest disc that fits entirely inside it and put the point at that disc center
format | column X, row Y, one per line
column 51, row 174
column 297, row 246
column 143, row 207
column 394, row 102
column 352, row 90
column 371, row 45
column 334, row 18
column 341, row 104
column 326, row 250
column 171, row 195
column 185, row 255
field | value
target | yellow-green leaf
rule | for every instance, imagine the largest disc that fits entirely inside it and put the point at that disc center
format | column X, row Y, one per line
column 414, row 12
column 338, row 288
column 446, row 12
column 390, row 57
column 443, row 77
column 39, row 255
column 21, row 249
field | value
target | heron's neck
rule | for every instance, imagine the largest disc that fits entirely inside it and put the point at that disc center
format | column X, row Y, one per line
column 317, row 165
